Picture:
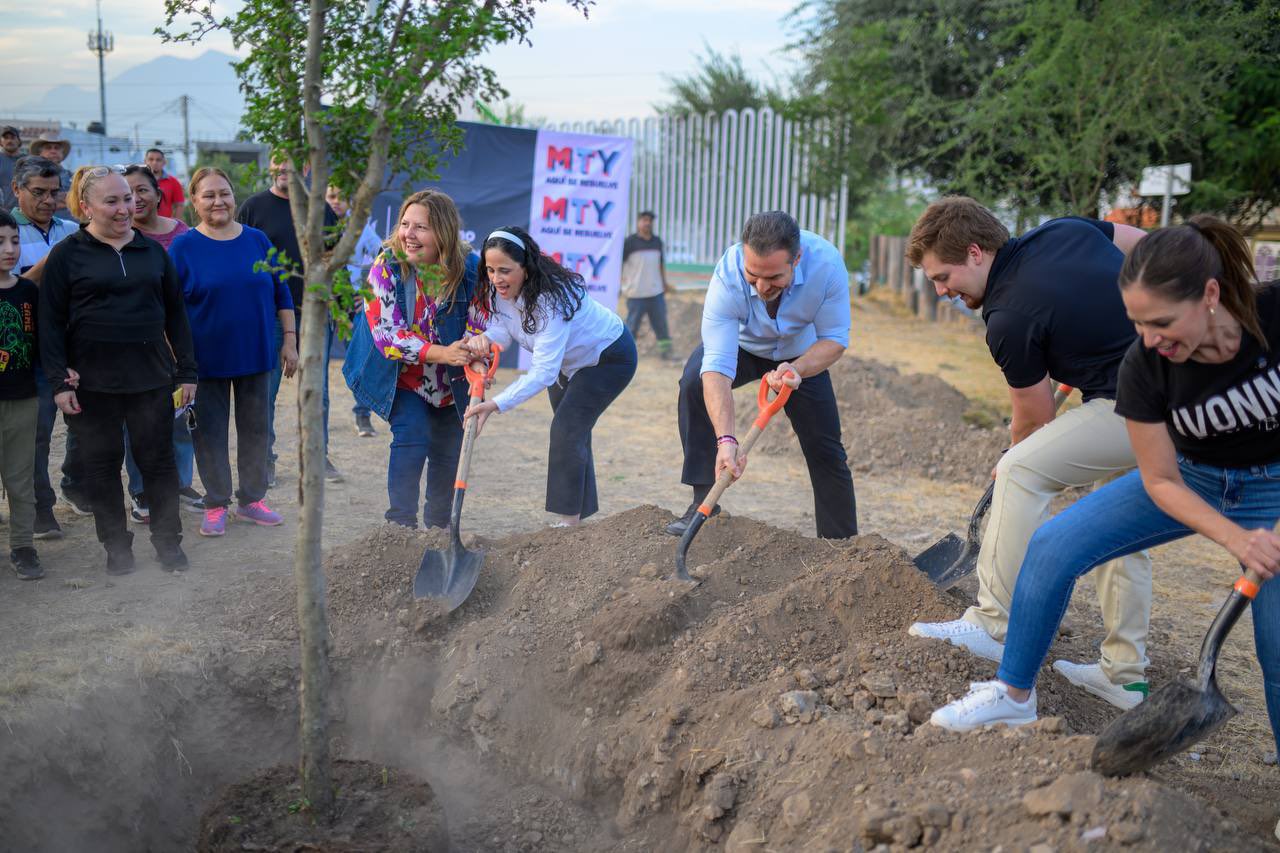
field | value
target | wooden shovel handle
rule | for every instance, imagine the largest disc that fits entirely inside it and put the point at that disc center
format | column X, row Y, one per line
column 766, row 409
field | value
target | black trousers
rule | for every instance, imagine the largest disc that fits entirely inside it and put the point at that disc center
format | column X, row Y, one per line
column 149, row 417
column 578, row 404
column 213, row 417
column 816, row 421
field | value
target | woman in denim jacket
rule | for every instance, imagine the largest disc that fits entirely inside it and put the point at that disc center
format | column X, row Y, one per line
column 405, row 361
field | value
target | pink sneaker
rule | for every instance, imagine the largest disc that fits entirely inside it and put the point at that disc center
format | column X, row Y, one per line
column 215, row 522
column 259, row 513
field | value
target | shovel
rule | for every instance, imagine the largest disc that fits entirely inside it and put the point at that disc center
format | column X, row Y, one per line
column 767, row 409
column 449, row 576
column 952, row 558
column 1180, row 714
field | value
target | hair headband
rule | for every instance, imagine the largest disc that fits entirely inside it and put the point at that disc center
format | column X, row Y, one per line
column 506, row 235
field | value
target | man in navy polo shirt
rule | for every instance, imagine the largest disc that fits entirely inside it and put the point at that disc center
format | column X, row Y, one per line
column 777, row 307
column 1051, row 303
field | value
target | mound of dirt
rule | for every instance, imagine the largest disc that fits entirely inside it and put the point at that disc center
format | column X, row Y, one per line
column 778, row 705
column 904, row 423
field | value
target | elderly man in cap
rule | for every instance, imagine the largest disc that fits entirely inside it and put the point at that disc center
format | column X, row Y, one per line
column 10, row 154
column 55, row 150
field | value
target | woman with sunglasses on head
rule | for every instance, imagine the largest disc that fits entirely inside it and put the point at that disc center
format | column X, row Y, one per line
column 583, row 356
column 114, row 340
column 1200, row 390
column 405, row 360
column 233, row 306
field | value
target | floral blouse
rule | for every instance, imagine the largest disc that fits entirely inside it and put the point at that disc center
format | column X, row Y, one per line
column 407, row 339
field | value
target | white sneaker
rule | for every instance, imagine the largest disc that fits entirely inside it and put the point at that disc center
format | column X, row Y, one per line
column 960, row 633
column 1089, row 677
column 987, row 704
column 1278, row 830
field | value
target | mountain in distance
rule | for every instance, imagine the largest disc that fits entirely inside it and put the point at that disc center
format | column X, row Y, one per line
column 143, row 100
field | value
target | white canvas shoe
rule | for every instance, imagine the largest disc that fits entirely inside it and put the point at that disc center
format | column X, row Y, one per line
column 1089, row 677
column 960, row 633
column 987, row 704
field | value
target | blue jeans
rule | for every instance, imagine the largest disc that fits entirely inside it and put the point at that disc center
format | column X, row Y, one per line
column 184, row 454
column 1120, row 519
column 277, row 374
column 422, row 435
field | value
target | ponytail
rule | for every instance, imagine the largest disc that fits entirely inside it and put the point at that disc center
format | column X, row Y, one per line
column 1177, row 262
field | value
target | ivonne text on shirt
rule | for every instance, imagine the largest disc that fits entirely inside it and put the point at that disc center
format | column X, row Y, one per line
column 1253, row 403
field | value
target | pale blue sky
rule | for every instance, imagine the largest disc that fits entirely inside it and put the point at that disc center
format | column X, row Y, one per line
column 611, row 65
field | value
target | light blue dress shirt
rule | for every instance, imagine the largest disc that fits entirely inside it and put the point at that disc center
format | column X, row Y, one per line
column 814, row 308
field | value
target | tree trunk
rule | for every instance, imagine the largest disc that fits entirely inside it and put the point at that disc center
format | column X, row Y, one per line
column 308, row 571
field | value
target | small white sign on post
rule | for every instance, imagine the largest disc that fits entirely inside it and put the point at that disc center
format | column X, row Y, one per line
column 1167, row 181
column 1162, row 180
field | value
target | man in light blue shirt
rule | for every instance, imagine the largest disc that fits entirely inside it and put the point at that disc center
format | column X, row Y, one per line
column 777, row 307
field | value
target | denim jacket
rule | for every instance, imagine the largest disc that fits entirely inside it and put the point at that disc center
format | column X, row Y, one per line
column 372, row 377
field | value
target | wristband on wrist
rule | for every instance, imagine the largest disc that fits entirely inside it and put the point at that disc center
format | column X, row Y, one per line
column 291, row 332
column 726, row 439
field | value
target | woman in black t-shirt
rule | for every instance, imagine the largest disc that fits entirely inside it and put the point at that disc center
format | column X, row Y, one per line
column 1200, row 390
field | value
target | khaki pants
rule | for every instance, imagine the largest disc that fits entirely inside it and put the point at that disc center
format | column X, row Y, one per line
column 1086, row 445
column 18, row 467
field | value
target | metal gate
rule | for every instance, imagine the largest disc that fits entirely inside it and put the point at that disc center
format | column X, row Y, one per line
column 704, row 175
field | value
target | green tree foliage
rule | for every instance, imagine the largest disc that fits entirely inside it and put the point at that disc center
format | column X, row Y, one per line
column 346, row 90
column 719, row 83
column 1042, row 104
column 1236, row 165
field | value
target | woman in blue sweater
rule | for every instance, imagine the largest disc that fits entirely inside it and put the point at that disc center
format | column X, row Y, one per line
column 232, row 306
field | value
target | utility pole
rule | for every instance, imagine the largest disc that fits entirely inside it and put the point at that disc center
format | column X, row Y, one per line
column 101, row 43
column 184, row 103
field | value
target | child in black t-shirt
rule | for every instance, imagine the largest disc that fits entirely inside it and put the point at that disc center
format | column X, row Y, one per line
column 18, row 300
column 1200, row 391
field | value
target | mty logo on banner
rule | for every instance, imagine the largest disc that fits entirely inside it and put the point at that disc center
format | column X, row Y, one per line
column 582, row 160
column 575, row 261
column 558, row 208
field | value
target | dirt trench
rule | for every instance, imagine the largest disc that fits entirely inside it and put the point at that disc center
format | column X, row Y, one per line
column 777, row 706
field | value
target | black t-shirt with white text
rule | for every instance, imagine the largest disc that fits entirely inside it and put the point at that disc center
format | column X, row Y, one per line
column 1226, row 415
column 1052, row 307
column 18, row 343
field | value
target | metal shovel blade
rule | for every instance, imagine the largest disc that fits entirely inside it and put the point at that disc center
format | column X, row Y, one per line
column 1171, row 720
column 940, row 556
column 682, row 550
column 448, row 576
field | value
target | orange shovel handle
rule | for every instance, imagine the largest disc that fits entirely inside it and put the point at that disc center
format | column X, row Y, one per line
column 478, row 379
column 768, row 408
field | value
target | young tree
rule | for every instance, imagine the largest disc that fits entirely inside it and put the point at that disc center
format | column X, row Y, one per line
column 346, row 89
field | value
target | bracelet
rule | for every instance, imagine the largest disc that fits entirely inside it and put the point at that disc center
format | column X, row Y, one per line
column 290, row 332
column 726, row 439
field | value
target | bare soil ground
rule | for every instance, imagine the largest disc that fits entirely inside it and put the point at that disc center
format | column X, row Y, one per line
column 577, row 702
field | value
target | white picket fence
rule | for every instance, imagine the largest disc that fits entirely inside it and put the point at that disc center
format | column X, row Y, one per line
column 704, row 175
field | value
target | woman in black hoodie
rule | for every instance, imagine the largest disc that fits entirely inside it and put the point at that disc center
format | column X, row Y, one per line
column 114, row 341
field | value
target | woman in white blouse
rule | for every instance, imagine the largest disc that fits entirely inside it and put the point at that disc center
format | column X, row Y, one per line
column 582, row 354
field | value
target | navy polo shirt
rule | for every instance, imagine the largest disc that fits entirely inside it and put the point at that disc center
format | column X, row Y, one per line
column 1052, row 307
